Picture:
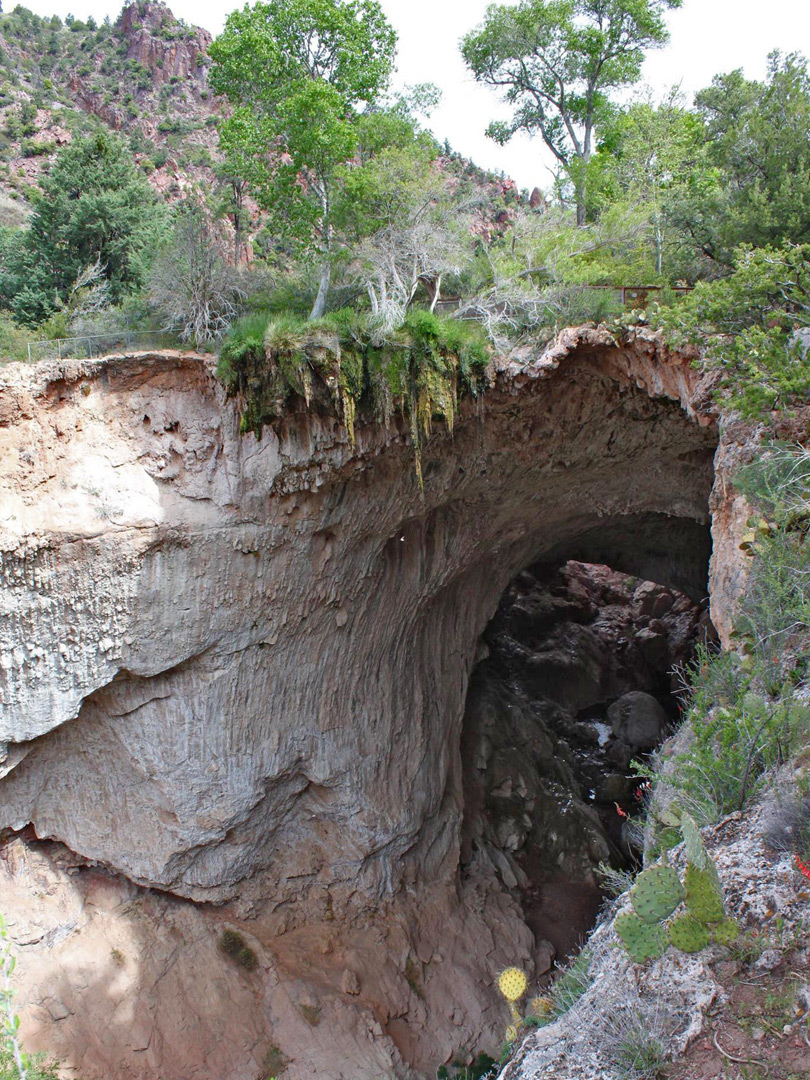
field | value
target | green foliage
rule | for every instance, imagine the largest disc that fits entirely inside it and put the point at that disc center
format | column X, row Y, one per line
column 341, row 362
column 557, row 61
column 649, row 159
column 234, row 945
column 571, row 984
column 36, row 1067
column 758, row 135
column 747, row 324
column 295, row 106
column 732, row 751
column 13, row 340
column 638, row 1053
column 95, row 207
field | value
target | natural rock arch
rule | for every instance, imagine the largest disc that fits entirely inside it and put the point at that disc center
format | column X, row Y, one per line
column 224, row 655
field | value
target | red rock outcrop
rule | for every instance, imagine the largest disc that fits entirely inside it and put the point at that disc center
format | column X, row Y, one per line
column 142, row 23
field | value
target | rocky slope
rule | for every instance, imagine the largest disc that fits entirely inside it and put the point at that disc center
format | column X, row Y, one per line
column 145, row 77
column 747, row 1005
column 235, row 671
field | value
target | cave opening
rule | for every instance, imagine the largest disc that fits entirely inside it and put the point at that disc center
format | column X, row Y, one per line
column 578, row 674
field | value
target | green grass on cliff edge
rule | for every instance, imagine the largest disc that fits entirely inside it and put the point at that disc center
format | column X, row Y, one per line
column 344, row 362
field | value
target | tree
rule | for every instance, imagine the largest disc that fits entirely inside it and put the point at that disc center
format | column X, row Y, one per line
column 758, row 137
column 557, row 61
column 648, row 160
column 297, row 73
column 411, row 229
column 95, row 206
column 190, row 284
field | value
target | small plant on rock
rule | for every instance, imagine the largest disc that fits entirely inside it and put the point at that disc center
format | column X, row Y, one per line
column 512, row 983
column 234, row 945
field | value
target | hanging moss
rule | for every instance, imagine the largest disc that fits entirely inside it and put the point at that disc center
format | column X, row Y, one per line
column 342, row 364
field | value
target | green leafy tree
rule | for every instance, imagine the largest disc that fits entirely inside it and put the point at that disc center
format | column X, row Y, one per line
column 758, row 137
column 95, row 210
column 298, row 73
column 26, row 286
column 650, row 158
column 96, row 206
column 557, row 62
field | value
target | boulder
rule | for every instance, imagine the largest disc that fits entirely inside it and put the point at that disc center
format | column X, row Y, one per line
column 638, row 719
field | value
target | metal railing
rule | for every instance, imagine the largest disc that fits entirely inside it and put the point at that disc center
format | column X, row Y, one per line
column 89, row 346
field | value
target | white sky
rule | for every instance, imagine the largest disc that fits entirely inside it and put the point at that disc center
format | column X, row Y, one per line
column 707, row 37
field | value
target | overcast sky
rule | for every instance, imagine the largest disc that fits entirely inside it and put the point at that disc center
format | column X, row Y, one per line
column 707, row 37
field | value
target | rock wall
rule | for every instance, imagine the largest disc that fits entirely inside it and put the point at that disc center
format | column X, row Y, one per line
column 263, row 646
column 235, row 669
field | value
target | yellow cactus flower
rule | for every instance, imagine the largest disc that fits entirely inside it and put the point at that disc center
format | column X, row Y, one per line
column 512, row 983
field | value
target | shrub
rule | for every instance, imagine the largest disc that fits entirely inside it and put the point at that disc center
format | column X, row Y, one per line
column 747, row 324
column 32, row 148
column 234, row 945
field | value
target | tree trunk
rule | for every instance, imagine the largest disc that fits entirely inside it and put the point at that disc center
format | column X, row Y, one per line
column 319, row 307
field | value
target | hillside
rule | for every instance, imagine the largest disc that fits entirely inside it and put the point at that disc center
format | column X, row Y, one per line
column 144, row 76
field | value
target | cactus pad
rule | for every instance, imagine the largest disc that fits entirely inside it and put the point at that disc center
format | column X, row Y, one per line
column 668, row 838
column 642, row 941
column 726, row 931
column 704, row 893
column 695, row 848
column 512, row 983
column 688, row 935
column 656, row 893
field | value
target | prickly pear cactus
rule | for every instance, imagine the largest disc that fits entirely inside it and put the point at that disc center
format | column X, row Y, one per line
column 726, row 931
column 704, row 893
column 669, row 838
column 687, row 934
column 656, row 893
column 643, row 941
column 695, row 848
column 512, row 983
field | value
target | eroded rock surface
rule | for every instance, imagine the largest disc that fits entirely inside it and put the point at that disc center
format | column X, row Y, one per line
column 235, row 669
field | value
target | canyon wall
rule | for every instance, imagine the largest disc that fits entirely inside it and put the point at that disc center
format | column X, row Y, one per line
column 234, row 669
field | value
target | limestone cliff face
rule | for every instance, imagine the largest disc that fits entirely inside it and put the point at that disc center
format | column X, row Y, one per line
column 235, row 668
